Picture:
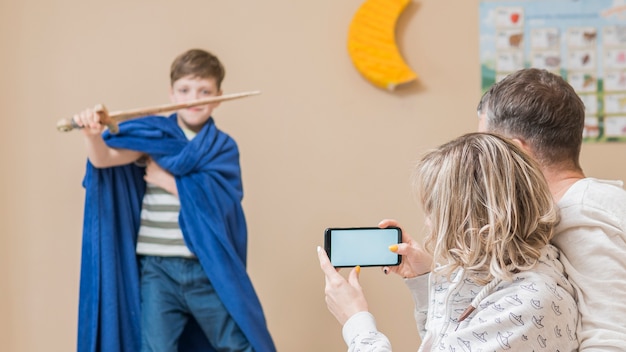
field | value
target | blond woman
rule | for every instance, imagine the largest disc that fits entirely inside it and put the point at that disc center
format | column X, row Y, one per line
column 487, row 278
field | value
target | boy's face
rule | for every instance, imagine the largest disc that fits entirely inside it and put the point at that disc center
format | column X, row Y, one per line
column 191, row 88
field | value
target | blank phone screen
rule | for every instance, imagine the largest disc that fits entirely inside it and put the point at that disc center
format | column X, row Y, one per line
column 362, row 246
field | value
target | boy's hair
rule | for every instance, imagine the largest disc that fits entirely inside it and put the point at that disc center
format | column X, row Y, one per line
column 197, row 63
column 540, row 108
column 488, row 205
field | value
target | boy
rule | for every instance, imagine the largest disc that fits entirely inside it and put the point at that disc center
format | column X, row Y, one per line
column 180, row 216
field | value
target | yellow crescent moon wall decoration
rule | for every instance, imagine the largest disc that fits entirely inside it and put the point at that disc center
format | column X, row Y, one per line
column 372, row 44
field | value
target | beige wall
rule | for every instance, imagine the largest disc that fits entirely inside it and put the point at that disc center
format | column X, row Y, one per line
column 320, row 147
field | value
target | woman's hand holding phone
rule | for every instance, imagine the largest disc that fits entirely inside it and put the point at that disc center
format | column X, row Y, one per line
column 416, row 260
column 344, row 297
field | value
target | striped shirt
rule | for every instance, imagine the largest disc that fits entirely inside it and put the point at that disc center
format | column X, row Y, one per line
column 159, row 232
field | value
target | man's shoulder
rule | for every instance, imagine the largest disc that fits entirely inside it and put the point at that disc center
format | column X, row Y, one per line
column 594, row 192
column 593, row 202
column 600, row 184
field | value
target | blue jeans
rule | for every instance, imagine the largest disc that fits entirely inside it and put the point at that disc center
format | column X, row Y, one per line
column 174, row 289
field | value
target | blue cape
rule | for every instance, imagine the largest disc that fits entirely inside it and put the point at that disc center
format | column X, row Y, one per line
column 208, row 179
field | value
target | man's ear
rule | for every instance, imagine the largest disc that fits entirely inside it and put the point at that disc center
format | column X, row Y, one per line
column 522, row 144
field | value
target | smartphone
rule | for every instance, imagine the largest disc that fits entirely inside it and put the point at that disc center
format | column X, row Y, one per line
column 363, row 246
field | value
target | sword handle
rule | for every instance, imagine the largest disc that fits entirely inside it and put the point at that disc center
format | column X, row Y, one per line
column 66, row 125
column 105, row 119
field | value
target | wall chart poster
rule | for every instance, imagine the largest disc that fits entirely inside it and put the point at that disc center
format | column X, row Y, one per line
column 584, row 41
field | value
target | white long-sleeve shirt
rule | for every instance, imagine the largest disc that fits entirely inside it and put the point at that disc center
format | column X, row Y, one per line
column 536, row 311
column 592, row 237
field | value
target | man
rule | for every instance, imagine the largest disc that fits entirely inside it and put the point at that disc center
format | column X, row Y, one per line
column 543, row 113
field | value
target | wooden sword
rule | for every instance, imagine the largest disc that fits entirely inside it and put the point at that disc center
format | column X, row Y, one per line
column 111, row 119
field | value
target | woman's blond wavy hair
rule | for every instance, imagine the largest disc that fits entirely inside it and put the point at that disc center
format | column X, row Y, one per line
column 489, row 207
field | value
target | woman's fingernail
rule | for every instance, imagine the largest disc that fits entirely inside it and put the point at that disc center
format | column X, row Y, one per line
column 319, row 249
column 393, row 248
column 358, row 269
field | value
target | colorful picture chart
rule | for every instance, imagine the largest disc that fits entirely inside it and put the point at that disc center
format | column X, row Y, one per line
column 584, row 41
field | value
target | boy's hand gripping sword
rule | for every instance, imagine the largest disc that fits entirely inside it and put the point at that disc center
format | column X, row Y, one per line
column 111, row 119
